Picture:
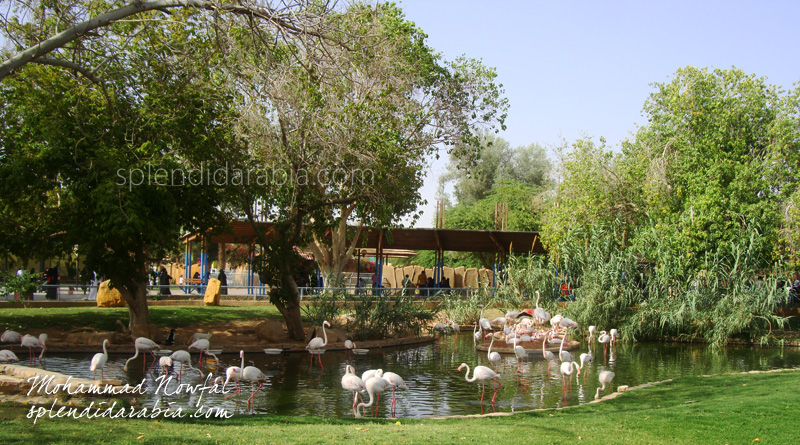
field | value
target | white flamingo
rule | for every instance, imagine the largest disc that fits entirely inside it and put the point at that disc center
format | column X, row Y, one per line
column 563, row 355
column 484, row 323
column 549, row 356
column 586, row 357
column 456, row 327
column 316, row 344
column 253, row 375
column 8, row 356
column 603, row 339
column 203, row 345
column 352, row 382
column 613, row 334
column 605, row 378
column 494, row 357
column 567, row 368
column 31, row 342
column 591, row 333
column 375, row 386
column 184, row 358
column 370, row 373
column 165, row 363
column 10, row 336
column 521, row 353
column 483, row 374
column 541, row 315
column 234, row 373
column 395, row 381
column 143, row 344
column 476, row 333
column 99, row 361
column 349, row 346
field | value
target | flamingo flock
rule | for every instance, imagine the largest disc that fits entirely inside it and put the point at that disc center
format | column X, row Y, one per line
column 515, row 328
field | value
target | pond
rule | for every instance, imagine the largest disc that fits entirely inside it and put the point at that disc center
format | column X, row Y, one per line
column 436, row 388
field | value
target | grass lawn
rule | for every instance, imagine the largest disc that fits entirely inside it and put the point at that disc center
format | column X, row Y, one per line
column 735, row 409
column 26, row 320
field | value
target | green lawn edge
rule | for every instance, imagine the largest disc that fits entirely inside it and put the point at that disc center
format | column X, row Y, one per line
column 739, row 408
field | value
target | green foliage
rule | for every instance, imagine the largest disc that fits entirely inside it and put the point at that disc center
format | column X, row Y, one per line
column 24, row 284
column 324, row 307
column 662, row 297
column 376, row 318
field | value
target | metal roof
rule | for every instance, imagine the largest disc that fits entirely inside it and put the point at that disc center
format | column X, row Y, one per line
column 452, row 240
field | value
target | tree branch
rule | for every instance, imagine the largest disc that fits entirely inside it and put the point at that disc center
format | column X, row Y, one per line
column 103, row 20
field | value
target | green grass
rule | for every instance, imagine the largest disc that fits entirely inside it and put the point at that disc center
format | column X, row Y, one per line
column 735, row 409
column 104, row 319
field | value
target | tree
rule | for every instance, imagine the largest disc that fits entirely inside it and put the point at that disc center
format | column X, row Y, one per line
column 104, row 154
column 344, row 124
column 497, row 162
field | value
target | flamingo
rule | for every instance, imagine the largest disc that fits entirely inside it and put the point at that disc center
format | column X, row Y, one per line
column 395, row 381
column 316, row 344
column 234, row 373
column 521, row 353
column 605, row 378
column 184, row 357
column 8, row 356
column 200, row 336
column 586, row 357
column 512, row 315
column 549, row 356
column 591, row 333
column 142, row 344
column 10, row 336
column 99, row 361
column 567, row 369
column 604, row 338
column 349, row 346
column 165, row 363
column 375, row 385
column 484, row 323
column 455, row 326
column 494, row 357
column 352, row 382
column 370, row 373
column 541, row 315
column 613, row 334
column 555, row 321
column 483, row 374
column 563, row 355
column 253, row 375
column 203, row 345
column 31, row 342
column 476, row 333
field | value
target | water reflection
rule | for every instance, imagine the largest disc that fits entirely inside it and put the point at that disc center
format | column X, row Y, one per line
column 436, row 388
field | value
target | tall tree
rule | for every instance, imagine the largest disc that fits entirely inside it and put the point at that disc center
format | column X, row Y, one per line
column 346, row 123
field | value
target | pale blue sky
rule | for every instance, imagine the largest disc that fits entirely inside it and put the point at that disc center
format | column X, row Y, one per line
column 574, row 68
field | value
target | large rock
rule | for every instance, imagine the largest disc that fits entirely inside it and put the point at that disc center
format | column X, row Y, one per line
column 389, row 275
column 471, row 277
column 458, row 277
column 107, row 297
column 271, row 331
column 95, row 338
column 212, row 293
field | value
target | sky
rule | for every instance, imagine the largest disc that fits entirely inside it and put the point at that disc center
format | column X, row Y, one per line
column 584, row 68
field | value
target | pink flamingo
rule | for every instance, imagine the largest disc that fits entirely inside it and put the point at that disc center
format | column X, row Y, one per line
column 31, row 342
column 316, row 344
column 234, row 373
column 352, row 382
column 375, row 385
column 605, row 378
column 99, row 361
column 483, row 374
column 203, row 345
column 494, row 357
column 143, row 344
column 395, row 381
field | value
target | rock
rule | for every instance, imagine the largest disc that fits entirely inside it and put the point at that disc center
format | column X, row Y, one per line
column 336, row 335
column 212, row 293
column 107, row 297
column 622, row 388
column 271, row 331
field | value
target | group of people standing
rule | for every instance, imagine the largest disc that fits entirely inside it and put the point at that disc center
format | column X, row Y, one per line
column 165, row 279
column 425, row 284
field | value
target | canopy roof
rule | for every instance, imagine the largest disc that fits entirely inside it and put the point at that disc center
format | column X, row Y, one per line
column 381, row 240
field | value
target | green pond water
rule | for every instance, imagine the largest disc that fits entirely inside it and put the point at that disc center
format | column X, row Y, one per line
column 436, row 388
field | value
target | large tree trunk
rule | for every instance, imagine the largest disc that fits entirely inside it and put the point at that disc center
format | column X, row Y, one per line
column 290, row 308
column 135, row 294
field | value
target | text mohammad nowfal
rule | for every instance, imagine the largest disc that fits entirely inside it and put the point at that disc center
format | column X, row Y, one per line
column 41, row 385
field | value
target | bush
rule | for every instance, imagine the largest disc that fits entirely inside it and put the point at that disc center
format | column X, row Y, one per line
column 376, row 318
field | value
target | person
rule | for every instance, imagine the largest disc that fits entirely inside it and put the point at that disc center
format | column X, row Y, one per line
column 794, row 292
column 196, row 276
column 431, row 284
column 406, row 285
column 52, row 278
column 445, row 283
column 163, row 281
column 223, row 282
column 94, row 285
column 422, row 282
